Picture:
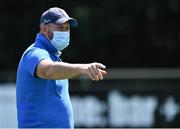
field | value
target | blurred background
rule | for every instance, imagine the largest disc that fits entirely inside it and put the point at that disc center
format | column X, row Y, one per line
column 138, row 41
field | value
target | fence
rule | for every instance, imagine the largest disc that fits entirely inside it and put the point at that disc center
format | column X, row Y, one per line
column 125, row 98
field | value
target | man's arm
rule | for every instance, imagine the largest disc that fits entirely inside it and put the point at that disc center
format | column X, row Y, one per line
column 48, row 69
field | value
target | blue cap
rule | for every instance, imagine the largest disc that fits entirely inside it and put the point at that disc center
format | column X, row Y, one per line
column 57, row 15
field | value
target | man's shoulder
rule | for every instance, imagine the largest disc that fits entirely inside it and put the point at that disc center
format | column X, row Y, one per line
column 32, row 49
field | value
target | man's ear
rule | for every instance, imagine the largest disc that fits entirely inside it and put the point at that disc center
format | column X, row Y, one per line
column 43, row 28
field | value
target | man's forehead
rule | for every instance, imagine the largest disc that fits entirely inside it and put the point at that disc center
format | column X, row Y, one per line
column 61, row 25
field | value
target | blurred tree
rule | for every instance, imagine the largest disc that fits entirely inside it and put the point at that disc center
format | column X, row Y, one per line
column 131, row 33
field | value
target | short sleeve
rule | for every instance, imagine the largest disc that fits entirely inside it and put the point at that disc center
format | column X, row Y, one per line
column 32, row 58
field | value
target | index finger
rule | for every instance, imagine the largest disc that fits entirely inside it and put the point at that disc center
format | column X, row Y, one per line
column 99, row 65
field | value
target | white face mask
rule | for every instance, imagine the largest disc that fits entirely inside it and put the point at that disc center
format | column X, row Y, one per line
column 60, row 39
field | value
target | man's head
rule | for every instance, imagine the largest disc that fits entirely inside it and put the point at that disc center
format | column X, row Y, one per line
column 55, row 19
column 55, row 25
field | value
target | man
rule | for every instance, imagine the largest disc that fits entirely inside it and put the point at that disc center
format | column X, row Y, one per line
column 42, row 78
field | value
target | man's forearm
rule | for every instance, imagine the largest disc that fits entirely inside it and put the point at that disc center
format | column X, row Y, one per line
column 61, row 70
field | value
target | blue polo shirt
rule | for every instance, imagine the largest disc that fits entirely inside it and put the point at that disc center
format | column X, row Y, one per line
column 41, row 103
